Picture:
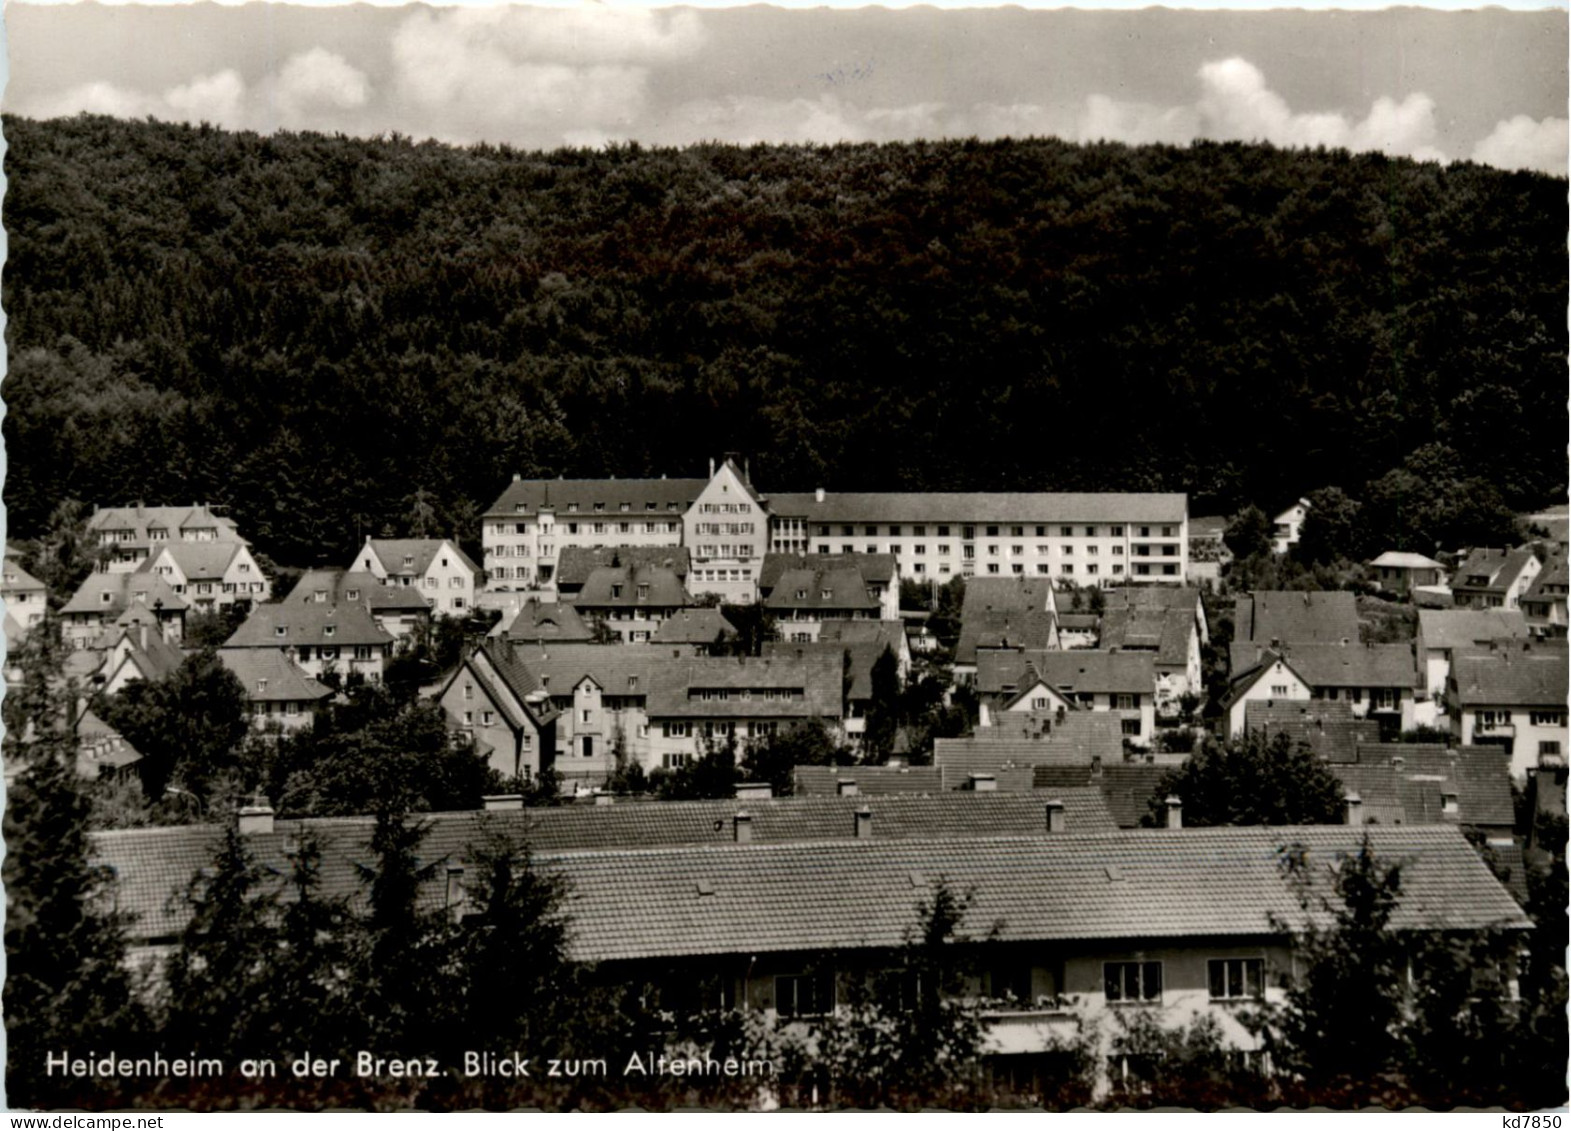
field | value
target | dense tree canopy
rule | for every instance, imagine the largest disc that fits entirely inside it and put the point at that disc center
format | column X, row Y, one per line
column 334, row 337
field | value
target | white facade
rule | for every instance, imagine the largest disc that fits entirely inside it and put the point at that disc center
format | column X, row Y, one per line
column 437, row 569
column 1278, row 683
column 726, row 532
column 1289, row 525
column 242, row 579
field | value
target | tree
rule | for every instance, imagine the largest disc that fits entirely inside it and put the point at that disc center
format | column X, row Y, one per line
column 65, row 553
column 1184, row 1066
column 773, row 757
column 909, row 1037
column 1248, row 533
column 883, row 712
column 712, row 774
column 1251, row 781
column 1333, row 528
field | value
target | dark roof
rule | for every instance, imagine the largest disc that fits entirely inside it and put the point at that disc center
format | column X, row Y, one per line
column 307, row 623
column 871, row 780
column 816, row 676
column 632, row 587
column 1326, row 726
column 548, row 621
column 1006, row 594
column 1078, row 670
column 574, row 564
column 1338, row 665
column 142, row 519
column 392, row 552
column 1012, row 630
column 270, row 676
column 1079, row 738
column 1510, row 678
column 812, row 589
column 1163, row 632
column 16, row 578
column 693, row 626
column 875, row 569
column 1410, row 794
column 1554, row 576
column 618, row 669
column 1295, row 617
column 1487, row 570
column 199, row 561
column 1452, row 629
column 1128, row 787
column 863, row 655
column 982, row 507
column 336, row 586
column 153, row 656
column 562, row 495
column 1125, row 885
column 125, row 590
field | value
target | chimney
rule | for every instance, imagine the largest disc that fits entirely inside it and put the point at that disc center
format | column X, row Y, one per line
column 1096, row 766
column 503, row 802
column 742, row 827
column 256, row 818
column 1055, row 816
column 455, row 898
column 847, row 787
column 984, row 783
column 516, row 477
column 1352, row 809
column 1175, row 813
column 818, row 495
column 711, row 467
column 864, row 823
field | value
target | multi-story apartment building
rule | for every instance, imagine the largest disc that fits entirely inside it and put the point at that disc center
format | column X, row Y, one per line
column 727, row 532
column 210, row 575
column 529, row 525
column 131, row 534
column 1084, row 539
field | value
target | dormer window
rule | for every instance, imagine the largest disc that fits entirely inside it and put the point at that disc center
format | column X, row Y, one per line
column 616, row 591
column 409, row 561
column 261, row 686
column 632, row 683
column 801, row 594
column 353, row 594
column 827, row 594
column 444, row 563
column 141, row 598
column 643, row 591
column 329, row 629
column 321, row 596
column 625, row 507
column 105, row 598
column 280, row 631
column 599, row 508
column 520, row 508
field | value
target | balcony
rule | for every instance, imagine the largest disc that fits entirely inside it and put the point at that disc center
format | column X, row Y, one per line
column 1013, row 1028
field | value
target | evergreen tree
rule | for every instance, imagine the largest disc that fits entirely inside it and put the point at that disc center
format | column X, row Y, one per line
column 1251, row 781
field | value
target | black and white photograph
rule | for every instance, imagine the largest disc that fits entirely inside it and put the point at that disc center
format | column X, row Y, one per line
column 600, row 556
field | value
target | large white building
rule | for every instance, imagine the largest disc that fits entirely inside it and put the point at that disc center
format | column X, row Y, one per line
column 727, row 525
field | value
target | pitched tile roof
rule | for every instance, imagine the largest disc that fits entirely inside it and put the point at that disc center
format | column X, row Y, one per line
column 1452, row 629
column 1326, row 726
column 882, row 632
column 124, row 590
column 100, row 747
column 548, row 621
column 982, row 506
column 1295, row 617
column 574, row 564
column 1338, row 665
column 1166, row 633
column 618, row 669
column 875, row 569
column 632, row 587
column 142, row 519
column 1490, row 570
column 199, row 561
column 1142, row 884
column 394, row 552
column 269, row 676
column 15, row 578
column 1480, row 776
column 1079, row 670
column 1011, row 630
column 579, row 496
column 875, row 781
column 152, row 655
column 1006, row 594
column 1128, row 787
column 1509, row 678
column 863, row 655
column 1551, row 580
column 821, row 589
column 339, row 586
column 693, row 626
column 814, row 680
column 1079, row 738
column 1395, row 559
column 307, row 623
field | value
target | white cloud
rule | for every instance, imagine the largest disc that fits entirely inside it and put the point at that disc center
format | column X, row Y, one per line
column 315, row 82
column 1523, row 143
column 217, row 98
column 533, row 75
column 214, row 98
column 1136, row 123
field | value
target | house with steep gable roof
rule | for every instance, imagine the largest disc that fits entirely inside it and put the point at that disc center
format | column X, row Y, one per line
column 1379, row 680
column 1274, row 617
column 1168, row 622
column 398, row 610
column 135, row 650
column 1288, row 527
column 130, row 534
column 104, row 598
column 1119, row 682
column 1544, row 603
column 1513, row 696
column 26, row 598
column 327, row 641
column 510, row 715
column 631, row 600
column 279, row 694
column 442, row 572
column 210, row 575
column 1494, row 579
column 544, row 622
column 1270, row 678
column 726, row 530
column 702, row 629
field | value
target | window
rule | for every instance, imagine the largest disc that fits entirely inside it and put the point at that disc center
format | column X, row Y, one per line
column 1118, row 551
column 919, row 531
column 1382, row 698
column 919, row 549
column 1279, row 691
column 329, row 629
column 1234, row 979
column 993, row 550
column 992, row 567
column 992, row 532
column 1067, row 567
column 1132, row 981
column 1118, row 532
column 1018, row 551
column 943, row 532
column 487, row 717
column 871, row 531
column 585, row 714
column 1126, row 702
column 673, row 761
column 1091, row 569
column 1118, row 567
column 1547, row 718
column 804, row 995
column 677, row 730
column 1131, row 727
column 894, row 532
column 1066, row 531
column 469, row 718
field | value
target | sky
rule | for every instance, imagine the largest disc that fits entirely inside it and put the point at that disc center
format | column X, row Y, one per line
column 1487, row 85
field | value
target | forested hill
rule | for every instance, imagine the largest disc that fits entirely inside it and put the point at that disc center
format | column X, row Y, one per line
column 324, row 333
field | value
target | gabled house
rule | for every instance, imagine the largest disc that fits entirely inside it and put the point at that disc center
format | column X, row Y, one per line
column 26, row 598
column 327, row 641
column 1403, row 573
column 442, row 572
column 544, row 622
column 131, row 534
column 1494, row 579
column 134, row 650
column 1327, row 726
column 1379, row 680
column 398, row 610
column 277, row 691
column 1288, row 526
column 1123, row 683
column 858, row 648
column 104, row 598
column 210, row 575
column 102, row 751
column 802, row 600
column 1409, row 783
column 1512, row 696
column 1169, row 623
column 879, row 573
column 510, row 715
column 576, row 563
column 703, row 630
column 631, row 600
column 1004, row 614
column 726, row 530
column 712, row 698
column 1275, row 617
column 1544, row 603
column 1270, row 678
column 1444, row 634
